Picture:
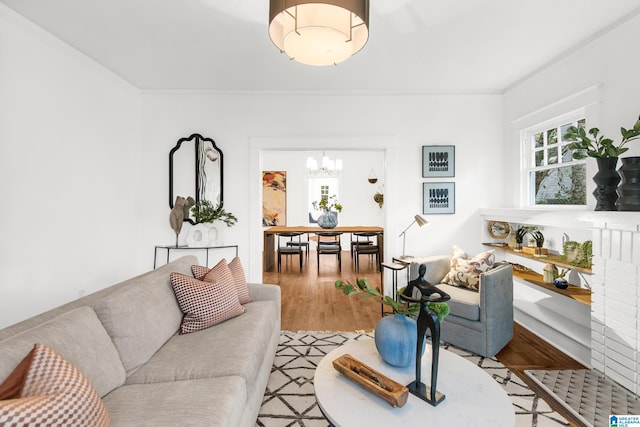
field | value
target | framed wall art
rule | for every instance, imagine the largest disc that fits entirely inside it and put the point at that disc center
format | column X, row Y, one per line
column 438, row 161
column 274, row 198
column 438, row 198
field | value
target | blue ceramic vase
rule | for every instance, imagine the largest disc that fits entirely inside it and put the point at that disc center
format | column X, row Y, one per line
column 396, row 338
column 328, row 219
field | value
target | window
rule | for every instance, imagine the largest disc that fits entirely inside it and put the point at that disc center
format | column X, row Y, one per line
column 554, row 177
column 324, row 192
column 322, row 188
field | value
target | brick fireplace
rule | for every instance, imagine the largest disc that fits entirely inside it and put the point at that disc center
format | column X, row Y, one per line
column 615, row 335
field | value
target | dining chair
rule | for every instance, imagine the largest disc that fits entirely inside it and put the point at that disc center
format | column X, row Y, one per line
column 359, row 238
column 303, row 243
column 329, row 244
column 372, row 249
column 289, row 250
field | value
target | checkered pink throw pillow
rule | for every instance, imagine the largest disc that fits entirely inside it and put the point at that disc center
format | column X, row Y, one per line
column 222, row 271
column 204, row 304
column 46, row 390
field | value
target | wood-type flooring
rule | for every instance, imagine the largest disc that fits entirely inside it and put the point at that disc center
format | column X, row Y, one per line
column 310, row 302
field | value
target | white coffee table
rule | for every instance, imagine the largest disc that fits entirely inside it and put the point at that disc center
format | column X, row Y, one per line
column 473, row 397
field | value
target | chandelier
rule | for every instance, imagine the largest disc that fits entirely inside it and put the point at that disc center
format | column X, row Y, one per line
column 320, row 32
column 328, row 166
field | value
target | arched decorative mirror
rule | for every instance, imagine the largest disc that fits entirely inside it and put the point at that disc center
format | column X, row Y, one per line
column 195, row 170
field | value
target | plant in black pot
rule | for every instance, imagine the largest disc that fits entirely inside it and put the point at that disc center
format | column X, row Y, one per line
column 629, row 189
column 560, row 281
column 592, row 143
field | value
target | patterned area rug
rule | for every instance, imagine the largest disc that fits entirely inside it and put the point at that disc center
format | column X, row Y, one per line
column 588, row 394
column 290, row 401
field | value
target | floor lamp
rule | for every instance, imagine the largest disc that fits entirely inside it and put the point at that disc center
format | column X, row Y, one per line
column 418, row 219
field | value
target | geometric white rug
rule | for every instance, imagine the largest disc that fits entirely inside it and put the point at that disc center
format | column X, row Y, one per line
column 290, row 400
column 588, row 394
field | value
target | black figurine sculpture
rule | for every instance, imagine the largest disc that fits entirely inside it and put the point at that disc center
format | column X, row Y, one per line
column 426, row 318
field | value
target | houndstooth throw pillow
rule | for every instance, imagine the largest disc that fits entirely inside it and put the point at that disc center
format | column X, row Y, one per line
column 47, row 390
column 204, row 304
column 223, row 271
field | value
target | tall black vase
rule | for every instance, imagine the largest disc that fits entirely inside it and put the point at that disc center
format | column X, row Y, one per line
column 606, row 180
column 629, row 189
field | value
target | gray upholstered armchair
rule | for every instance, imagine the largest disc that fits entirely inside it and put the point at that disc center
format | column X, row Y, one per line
column 480, row 321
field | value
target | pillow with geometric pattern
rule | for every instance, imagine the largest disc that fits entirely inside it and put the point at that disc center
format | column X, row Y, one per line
column 224, row 271
column 465, row 270
column 45, row 389
column 204, row 304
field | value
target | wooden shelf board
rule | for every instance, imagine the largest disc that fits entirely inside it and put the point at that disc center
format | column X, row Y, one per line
column 550, row 258
column 577, row 293
column 574, row 292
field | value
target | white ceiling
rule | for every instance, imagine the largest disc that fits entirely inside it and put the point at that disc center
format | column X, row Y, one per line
column 427, row 46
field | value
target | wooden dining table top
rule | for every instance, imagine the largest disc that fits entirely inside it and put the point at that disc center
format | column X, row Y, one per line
column 316, row 229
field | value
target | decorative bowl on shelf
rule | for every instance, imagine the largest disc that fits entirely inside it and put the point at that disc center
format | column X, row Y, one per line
column 561, row 283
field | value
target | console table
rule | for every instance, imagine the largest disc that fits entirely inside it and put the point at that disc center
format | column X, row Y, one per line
column 268, row 252
column 170, row 248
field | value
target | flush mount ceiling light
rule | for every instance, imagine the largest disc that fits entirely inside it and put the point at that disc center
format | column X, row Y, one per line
column 318, row 32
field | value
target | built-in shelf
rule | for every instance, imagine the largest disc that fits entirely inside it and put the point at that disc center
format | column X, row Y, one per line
column 574, row 292
column 577, row 293
column 550, row 258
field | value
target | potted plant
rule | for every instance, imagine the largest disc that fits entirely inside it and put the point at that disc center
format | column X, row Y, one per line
column 571, row 250
column 205, row 233
column 367, row 291
column 560, row 281
column 206, row 211
column 329, row 206
column 401, row 327
column 593, row 144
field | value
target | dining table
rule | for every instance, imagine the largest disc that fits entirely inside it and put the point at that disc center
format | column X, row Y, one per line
column 269, row 251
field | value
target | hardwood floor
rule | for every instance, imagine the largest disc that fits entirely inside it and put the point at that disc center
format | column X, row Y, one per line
column 310, row 302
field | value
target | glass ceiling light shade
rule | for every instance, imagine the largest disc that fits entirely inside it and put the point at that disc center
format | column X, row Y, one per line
column 327, row 166
column 318, row 32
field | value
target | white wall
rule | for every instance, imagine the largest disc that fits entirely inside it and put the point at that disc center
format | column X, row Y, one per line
column 607, row 66
column 69, row 134
column 84, row 164
column 405, row 122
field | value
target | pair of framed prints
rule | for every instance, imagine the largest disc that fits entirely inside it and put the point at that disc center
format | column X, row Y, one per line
column 438, row 161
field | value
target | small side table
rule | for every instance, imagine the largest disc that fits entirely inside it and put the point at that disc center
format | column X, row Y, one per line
column 394, row 267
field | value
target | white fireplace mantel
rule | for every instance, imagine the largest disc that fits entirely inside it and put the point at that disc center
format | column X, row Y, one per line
column 615, row 283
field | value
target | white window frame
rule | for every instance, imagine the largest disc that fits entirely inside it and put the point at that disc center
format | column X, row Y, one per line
column 528, row 156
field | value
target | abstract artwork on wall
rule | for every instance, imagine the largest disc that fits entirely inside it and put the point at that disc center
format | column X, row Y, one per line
column 438, row 161
column 274, row 198
column 438, row 197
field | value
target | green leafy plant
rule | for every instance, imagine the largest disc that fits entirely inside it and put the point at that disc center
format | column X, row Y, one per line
column 206, row 211
column 591, row 143
column 570, row 250
column 585, row 255
column 578, row 254
column 327, row 203
column 362, row 287
column 561, row 273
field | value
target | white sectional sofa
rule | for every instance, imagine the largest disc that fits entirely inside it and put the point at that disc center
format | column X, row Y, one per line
column 125, row 340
